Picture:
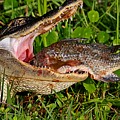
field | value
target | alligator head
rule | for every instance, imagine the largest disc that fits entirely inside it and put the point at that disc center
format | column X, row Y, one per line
column 16, row 49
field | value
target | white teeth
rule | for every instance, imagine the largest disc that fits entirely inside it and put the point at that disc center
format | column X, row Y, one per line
column 41, row 67
column 71, row 18
column 60, row 17
column 63, row 20
column 51, row 21
column 52, row 27
column 81, row 6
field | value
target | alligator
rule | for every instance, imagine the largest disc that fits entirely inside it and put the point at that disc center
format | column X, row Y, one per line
column 55, row 67
column 16, row 50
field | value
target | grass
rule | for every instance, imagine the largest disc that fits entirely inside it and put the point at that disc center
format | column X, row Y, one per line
column 88, row 100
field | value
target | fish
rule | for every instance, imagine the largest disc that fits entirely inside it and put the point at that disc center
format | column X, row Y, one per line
column 72, row 56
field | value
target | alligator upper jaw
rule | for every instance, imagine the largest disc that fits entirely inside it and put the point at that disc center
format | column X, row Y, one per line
column 20, row 42
column 23, row 26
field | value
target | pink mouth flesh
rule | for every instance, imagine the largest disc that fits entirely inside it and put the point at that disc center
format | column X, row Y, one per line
column 23, row 47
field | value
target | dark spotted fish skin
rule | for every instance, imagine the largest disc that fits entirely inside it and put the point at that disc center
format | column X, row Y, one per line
column 100, row 61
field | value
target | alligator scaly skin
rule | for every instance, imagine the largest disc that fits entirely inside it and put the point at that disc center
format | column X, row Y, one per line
column 100, row 61
column 21, row 76
column 23, row 26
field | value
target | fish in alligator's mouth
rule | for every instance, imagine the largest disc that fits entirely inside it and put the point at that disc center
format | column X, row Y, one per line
column 71, row 56
column 16, row 49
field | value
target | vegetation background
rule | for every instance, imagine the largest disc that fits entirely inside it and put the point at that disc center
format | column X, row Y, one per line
column 98, row 21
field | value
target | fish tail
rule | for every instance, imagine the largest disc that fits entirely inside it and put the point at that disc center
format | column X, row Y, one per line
column 116, row 60
column 116, row 57
column 114, row 49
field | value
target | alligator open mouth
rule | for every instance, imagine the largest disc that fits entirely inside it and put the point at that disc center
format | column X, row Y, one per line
column 16, row 49
column 17, row 40
column 20, row 38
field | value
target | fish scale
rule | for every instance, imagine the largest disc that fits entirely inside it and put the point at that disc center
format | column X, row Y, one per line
column 96, row 59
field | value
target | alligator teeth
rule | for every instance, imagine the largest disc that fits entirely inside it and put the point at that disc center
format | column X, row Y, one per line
column 60, row 17
column 36, row 30
column 43, row 23
column 49, row 68
column 45, row 66
column 73, row 7
column 81, row 6
column 47, row 21
column 71, row 18
column 52, row 28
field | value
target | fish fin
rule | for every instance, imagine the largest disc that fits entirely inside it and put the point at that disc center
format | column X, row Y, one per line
column 75, row 39
column 111, row 78
column 114, row 48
